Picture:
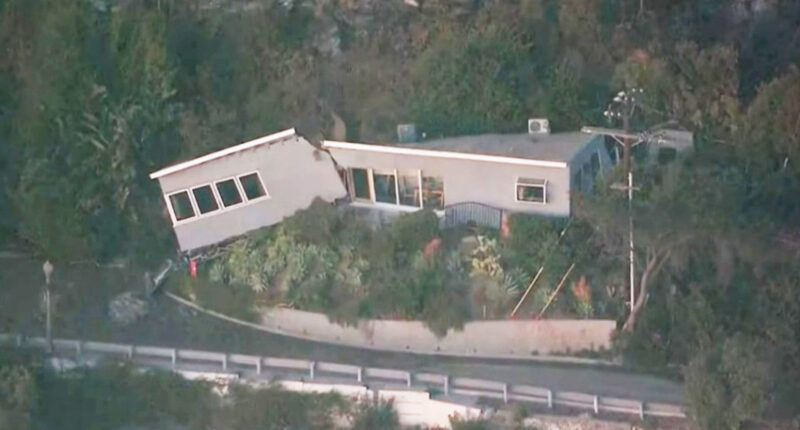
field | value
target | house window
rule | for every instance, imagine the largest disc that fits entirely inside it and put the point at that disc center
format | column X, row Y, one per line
column 181, row 205
column 360, row 184
column 433, row 192
column 252, row 186
column 408, row 186
column 205, row 199
column 531, row 190
column 229, row 193
column 385, row 187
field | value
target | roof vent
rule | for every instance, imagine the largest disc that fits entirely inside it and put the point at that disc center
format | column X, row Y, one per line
column 538, row 126
column 407, row 133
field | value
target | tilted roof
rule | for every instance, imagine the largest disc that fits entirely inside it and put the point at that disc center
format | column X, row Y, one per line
column 223, row 153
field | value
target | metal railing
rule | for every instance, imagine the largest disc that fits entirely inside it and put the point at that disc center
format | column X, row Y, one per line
column 300, row 369
column 472, row 213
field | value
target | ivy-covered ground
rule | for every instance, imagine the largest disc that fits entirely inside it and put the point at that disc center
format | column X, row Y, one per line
column 329, row 260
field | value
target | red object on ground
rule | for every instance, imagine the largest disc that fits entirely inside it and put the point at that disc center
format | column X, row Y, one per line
column 432, row 247
column 193, row 268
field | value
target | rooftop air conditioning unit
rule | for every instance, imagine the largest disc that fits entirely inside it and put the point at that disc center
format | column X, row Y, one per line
column 407, row 133
column 538, row 126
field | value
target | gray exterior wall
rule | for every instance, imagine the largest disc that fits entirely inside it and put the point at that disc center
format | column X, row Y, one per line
column 293, row 171
column 583, row 157
column 486, row 182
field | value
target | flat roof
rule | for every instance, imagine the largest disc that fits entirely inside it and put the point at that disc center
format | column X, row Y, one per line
column 546, row 147
column 545, row 150
column 223, row 153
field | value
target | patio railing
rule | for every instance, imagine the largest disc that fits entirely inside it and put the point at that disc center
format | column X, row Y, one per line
column 475, row 213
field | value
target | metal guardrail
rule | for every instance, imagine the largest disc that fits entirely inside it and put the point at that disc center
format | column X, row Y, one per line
column 317, row 369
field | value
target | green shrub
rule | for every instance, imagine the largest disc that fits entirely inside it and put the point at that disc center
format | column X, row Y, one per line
column 375, row 415
column 316, row 224
column 411, row 232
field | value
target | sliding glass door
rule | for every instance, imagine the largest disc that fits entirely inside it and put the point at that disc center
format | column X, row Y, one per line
column 385, row 186
column 401, row 188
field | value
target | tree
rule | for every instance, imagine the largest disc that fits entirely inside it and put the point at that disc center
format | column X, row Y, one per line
column 771, row 131
column 729, row 384
column 471, row 81
column 17, row 396
column 659, row 234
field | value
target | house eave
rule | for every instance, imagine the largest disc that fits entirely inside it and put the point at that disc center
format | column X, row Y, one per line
column 223, row 153
column 388, row 149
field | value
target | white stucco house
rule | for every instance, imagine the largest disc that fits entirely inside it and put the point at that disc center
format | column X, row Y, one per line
column 258, row 183
column 529, row 172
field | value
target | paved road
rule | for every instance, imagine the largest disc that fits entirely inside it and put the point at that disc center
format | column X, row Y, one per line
column 172, row 325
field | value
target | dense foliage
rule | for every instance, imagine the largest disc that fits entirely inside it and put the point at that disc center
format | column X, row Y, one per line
column 94, row 95
column 333, row 261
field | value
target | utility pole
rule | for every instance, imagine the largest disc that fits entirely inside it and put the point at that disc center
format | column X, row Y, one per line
column 624, row 106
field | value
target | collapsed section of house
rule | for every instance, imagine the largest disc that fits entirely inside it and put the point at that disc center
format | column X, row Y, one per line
column 245, row 187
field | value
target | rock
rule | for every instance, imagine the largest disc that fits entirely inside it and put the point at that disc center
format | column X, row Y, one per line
column 127, row 308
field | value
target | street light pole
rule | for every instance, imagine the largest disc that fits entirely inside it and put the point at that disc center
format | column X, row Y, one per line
column 47, row 268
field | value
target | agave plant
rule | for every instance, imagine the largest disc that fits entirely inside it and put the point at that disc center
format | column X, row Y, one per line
column 216, row 273
column 485, row 259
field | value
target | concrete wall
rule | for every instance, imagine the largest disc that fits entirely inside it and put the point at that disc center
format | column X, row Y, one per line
column 504, row 338
column 486, row 182
column 293, row 171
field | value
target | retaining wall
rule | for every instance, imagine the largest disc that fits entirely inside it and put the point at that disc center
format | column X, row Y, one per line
column 503, row 338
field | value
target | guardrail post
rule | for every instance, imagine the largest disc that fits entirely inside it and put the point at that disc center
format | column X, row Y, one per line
column 78, row 348
column 258, row 365
column 311, row 366
column 224, row 361
column 360, row 374
column 550, row 399
column 130, row 352
column 174, row 358
column 596, row 405
column 641, row 410
column 409, row 376
column 446, row 385
column 505, row 393
column 19, row 340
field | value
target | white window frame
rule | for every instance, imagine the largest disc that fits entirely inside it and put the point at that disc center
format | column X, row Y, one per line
column 260, row 180
column 371, row 172
column 384, row 172
column 444, row 201
column 352, row 187
column 220, row 207
column 172, row 211
column 409, row 173
column 543, row 186
column 213, row 193
column 238, row 188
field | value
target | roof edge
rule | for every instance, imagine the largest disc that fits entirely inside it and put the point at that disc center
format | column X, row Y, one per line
column 223, row 153
column 390, row 149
